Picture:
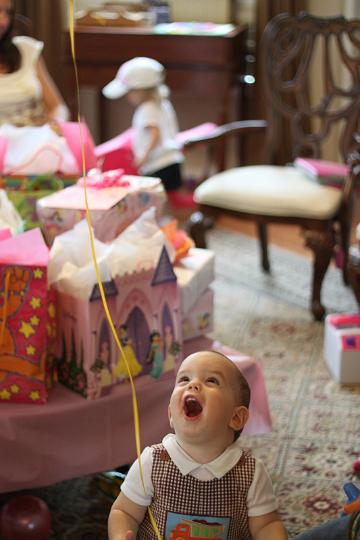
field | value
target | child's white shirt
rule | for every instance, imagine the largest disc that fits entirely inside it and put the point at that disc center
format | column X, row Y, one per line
column 260, row 500
column 167, row 152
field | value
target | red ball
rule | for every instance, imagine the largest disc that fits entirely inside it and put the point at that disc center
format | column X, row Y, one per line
column 25, row 517
column 356, row 466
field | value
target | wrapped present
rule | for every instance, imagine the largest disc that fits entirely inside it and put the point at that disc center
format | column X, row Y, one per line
column 194, row 273
column 199, row 320
column 142, row 296
column 112, row 208
column 342, row 347
column 23, row 192
column 10, row 218
column 328, row 173
column 27, row 320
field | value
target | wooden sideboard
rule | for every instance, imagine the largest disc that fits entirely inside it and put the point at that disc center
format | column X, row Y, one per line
column 201, row 65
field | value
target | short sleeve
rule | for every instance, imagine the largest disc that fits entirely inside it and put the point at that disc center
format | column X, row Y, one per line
column 261, row 498
column 148, row 114
column 132, row 486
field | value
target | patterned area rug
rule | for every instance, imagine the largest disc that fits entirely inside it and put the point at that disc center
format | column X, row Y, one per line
column 316, row 434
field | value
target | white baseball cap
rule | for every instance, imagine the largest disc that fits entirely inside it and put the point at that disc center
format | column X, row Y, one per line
column 139, row 73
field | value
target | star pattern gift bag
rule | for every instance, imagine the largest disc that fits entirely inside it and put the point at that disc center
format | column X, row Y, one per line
column 27, row 320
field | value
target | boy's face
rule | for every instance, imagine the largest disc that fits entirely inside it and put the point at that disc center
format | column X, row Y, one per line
column 206, row 402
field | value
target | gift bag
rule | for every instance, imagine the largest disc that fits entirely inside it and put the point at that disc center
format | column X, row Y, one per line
column 142, row 297
column 24, row 194
column 27, row 320
column 9, row 217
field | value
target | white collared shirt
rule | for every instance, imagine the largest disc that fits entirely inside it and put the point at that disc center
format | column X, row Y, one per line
column 260, row 500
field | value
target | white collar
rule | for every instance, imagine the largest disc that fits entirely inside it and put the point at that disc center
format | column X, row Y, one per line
column 186, row 465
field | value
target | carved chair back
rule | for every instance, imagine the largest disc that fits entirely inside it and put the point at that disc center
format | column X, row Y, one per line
column 303, row 55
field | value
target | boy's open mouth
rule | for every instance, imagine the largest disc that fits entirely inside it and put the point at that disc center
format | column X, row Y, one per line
column 192, row 407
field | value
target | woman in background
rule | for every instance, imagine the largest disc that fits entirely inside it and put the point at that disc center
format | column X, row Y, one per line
column 28, row 95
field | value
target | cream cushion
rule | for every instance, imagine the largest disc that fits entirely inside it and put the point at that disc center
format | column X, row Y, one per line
column 269, row 190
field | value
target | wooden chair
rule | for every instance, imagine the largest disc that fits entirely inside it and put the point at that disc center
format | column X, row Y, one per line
column 277, row 193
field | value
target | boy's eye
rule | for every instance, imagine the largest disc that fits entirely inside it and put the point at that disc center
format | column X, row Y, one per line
column 183, row 378
column 212, row 380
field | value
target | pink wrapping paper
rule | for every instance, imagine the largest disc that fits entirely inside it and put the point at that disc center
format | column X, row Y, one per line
column 28, row 326
column 28, row 249
column 5, row 234
column 111, row 209
column 70, row 436
column 321, row 167
column 200, row 318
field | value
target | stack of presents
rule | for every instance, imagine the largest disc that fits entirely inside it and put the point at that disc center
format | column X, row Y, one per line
column 53, row 326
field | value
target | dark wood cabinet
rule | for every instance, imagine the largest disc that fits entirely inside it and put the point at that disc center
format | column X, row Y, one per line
column 201, row 65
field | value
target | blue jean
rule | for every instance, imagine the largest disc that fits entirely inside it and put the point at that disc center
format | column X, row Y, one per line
column 336, row 529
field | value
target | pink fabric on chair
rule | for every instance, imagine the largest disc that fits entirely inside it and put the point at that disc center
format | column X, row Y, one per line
column 117, row 152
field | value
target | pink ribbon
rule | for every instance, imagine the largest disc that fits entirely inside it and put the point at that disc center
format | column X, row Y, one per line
column 100, row 180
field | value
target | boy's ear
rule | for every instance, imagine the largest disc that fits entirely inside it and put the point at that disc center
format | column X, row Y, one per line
column 239, row 418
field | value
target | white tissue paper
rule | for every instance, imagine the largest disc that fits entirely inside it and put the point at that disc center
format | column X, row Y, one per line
column 9, row 216
column 71, row 268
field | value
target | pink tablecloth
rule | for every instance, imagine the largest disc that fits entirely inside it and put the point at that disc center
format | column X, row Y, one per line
column 70, row 436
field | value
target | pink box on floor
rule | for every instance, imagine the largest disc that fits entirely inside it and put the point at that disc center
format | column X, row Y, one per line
column 140, row 303
column 112, row 209
column 199, row 320
column 342, row 347
column 194, row 273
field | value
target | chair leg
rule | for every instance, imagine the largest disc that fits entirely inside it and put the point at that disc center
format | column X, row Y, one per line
column 263, row 239
column 197, row 227
column 344, row 244
column 322, row 244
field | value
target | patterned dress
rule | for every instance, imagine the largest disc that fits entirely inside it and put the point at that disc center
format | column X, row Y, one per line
column 220, row 503
column 21, row 100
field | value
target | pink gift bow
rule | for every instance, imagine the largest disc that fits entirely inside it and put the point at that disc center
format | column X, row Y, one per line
column 100, row 180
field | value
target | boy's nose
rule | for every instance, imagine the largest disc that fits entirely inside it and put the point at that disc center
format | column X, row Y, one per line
column 194, row 385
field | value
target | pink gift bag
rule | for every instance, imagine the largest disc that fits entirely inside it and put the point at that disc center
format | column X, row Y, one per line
column 27, row 320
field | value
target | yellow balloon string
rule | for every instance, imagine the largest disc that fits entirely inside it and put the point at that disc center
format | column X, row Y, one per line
column 6, row 294
column 97, row 272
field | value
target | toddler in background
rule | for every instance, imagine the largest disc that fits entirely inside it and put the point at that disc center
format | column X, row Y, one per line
column 156, row 150
column 199, row 481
